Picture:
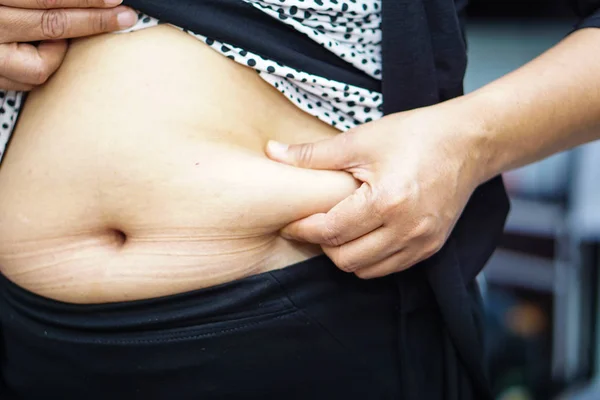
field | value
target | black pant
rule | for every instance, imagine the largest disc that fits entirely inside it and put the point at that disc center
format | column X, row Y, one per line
column 308, row 331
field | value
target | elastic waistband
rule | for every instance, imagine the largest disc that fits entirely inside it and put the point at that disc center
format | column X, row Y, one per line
column 260, row 294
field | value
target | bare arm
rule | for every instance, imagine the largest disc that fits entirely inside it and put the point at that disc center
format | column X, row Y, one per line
column 549, row 105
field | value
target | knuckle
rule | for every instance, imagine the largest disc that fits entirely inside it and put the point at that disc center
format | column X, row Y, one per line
column 386, row 203
column 426, row 228
column 345, row 264
column 9, row 25
column 40, row 74
column 54, row 23
column 331, row 238
column 405, row 195
column 305, row 153
column 331, row 241
column 100, row 22
column 345, row 267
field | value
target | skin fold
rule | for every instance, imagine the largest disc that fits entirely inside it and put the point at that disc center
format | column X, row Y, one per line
column 138, row 171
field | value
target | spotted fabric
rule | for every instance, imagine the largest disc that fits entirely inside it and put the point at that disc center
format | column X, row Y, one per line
column 351, row 29
column 10, row 102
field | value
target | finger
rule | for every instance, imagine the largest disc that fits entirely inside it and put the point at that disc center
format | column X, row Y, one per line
column 397, row 262
column 25, row 63
column 365, row 251
column 19, row 25
column 52, row 53
column 336, row 153
column 8, row 84
column 350, row 219
column 48, row 4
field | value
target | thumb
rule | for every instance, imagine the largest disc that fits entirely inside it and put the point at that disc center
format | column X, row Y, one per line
column 333, row 154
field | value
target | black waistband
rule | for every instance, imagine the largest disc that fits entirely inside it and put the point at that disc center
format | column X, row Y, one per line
column 257, row 294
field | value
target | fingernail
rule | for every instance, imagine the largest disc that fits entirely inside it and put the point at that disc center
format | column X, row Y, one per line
column 112, row 3
column 276, row 148
column 126, row 19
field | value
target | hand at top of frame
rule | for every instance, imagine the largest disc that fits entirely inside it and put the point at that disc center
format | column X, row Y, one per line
column 24, row 65
column 418, row 170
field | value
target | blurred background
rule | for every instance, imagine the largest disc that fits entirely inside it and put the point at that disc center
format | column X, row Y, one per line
column 540, row 287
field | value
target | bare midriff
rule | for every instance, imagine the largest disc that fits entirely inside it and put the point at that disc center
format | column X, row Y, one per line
column 139, row 171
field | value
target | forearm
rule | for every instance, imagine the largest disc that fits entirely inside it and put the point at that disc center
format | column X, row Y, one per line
column 549, row 105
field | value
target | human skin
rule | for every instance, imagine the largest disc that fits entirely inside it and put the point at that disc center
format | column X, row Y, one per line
column 23, row 65
column 419, row 168
column 138, row 171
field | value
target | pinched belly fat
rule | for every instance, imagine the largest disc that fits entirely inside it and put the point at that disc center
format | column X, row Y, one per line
column 138, row 171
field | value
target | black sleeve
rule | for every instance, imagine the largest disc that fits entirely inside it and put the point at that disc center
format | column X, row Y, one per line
column 588, row 11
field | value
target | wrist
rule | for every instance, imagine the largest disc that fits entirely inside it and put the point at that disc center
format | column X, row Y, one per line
column 485, row 146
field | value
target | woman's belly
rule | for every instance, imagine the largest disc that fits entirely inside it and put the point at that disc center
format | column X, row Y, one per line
column 138, row 171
